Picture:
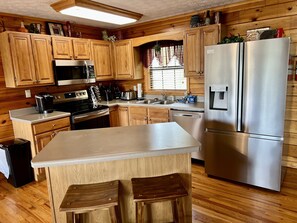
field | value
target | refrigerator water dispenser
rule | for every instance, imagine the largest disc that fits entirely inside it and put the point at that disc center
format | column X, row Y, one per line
column 218, row 99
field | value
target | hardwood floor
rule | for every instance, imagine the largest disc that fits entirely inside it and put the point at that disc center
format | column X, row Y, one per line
column 213, row 201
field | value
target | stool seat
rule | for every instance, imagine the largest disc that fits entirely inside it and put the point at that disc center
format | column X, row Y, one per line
column 83, row 198
column 156, row 189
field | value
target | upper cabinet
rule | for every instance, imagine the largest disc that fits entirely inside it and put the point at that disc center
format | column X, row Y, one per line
column 71, row 48
column 194, row 42
column 102, row 57
column 27, row 59
column 127, row 61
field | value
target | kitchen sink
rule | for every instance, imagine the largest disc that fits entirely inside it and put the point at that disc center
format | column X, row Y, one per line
column 156, row 101
column 166, row 102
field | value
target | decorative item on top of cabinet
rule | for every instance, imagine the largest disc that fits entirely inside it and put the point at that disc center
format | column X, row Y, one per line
column 71, row 48
column 140, row 115
column 194, row 41
column 102, row 57
column 128, row 64
column 26, row 59
column 40, row 134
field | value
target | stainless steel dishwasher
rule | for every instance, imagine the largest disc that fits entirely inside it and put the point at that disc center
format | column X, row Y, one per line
column 193, row 123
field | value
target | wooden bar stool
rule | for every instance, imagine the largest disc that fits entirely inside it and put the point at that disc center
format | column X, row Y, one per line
column 156, row 189
column 84, row 198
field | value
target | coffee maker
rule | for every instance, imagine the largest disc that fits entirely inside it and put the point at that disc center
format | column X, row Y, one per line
column 44, row 102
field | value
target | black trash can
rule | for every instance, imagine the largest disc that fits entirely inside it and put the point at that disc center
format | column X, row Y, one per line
column 18, row 155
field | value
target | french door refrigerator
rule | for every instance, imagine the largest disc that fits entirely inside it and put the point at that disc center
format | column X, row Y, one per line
column 245, row 97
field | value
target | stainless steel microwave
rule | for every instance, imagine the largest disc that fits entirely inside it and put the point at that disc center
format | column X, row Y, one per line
column 69, row 72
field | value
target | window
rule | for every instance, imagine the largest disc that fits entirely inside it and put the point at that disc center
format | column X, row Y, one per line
column 166, row 70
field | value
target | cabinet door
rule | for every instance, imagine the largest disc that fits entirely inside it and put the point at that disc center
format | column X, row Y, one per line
column 42, row 53
column 113, row 116
column 62, row 48
column 138, row 115
column 158, row 115
column 123, row 55
column 102, row 57
column 208, row 36
column 41, row 140
column 22, row 57
column 123, row 116
column 192, row 53
column 81, row 49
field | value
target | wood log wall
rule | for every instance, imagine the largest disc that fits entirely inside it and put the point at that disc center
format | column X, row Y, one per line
column 237, row 18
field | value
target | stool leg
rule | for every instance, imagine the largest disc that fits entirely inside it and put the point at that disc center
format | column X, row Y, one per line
column 174, row 211
column 180, row 210
column 115, row 214
column 69, row 217
column 139, row 212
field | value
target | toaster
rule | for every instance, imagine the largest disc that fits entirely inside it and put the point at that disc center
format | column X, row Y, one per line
column 128, row 95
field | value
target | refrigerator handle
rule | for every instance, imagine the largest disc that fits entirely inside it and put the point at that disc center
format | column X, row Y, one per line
column 240, row 88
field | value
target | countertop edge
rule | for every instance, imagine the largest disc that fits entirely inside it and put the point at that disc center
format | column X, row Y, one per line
column 112, row 157
column 21, row 118
column 176, row 105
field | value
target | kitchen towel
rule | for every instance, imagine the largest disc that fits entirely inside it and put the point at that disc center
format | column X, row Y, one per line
column 4, row 168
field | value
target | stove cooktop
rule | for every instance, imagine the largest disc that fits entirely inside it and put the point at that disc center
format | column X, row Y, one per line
column 75, row 102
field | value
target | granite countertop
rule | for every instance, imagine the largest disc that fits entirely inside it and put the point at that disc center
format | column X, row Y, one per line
column 199, row 106
column 118, row 143
column 30, row 115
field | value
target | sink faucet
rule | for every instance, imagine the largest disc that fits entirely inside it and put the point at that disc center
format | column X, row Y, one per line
column 164, row 95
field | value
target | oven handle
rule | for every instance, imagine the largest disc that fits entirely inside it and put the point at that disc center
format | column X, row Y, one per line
column 90, row 115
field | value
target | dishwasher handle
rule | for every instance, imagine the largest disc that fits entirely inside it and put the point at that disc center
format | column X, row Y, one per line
column 187, row 115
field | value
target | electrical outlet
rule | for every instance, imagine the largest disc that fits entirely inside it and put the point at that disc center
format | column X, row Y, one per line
column 28, row 93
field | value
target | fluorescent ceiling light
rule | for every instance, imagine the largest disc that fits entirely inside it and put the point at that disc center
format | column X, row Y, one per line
column 95, row 11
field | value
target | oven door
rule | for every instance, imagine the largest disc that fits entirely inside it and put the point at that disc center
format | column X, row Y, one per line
column 91, row 120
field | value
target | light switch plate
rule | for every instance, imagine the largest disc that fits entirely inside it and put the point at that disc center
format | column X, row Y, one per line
column 28, row 93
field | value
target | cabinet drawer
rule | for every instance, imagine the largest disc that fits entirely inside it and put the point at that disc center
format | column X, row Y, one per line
column 162, row 113
column 50, row 125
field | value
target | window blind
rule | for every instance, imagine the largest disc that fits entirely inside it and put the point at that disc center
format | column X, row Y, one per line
column 168, row 78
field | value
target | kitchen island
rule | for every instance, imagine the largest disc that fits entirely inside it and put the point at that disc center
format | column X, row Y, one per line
column 98, row 155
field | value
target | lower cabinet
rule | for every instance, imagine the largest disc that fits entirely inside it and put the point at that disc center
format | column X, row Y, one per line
column 139, row 115
column 123, row 115
column 41, row 140
column 113, row 116
column 40, row 134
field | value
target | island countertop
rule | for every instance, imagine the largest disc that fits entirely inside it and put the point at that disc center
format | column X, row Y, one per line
column 117, row 143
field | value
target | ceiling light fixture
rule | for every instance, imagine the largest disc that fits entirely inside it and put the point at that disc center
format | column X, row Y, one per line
column 95, row 11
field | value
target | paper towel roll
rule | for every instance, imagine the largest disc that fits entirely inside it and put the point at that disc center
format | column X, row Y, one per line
column 4, row 168
column 139, row 90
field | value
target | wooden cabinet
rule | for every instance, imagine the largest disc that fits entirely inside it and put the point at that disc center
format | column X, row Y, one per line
column 140, row 115
column 40, row 135
column 71, row 48
column 158, row 115
column 42, row 54
column 81, row 49
column 113, row 116
column 194, row 42
column 127, row 61
column 123, row 115
column 102, row 57
column 26, row 59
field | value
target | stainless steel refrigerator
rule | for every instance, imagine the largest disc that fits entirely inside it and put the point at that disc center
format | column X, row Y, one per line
column 245, row 98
